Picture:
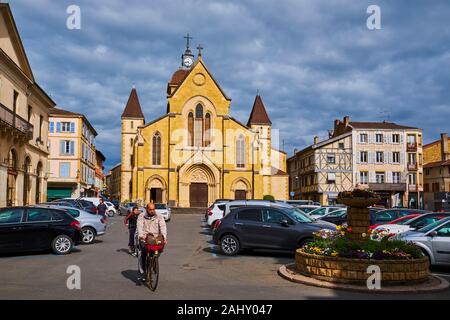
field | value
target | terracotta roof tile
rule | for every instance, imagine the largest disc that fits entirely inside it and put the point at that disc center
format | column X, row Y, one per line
column 437, row 164
column 179, row 76
column 133, row 107
column 378, row 125
column 258, row 114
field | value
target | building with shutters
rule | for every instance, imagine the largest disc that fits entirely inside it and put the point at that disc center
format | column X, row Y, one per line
column 24, row 108
column 197, row 152
column 385, row 156
column 437, row 174
column 72, row 160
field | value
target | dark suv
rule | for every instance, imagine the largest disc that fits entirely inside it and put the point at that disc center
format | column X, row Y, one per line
column 262, row 227
column 36, row 229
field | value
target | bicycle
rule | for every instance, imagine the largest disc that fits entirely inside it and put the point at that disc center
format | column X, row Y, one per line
column 152, row 264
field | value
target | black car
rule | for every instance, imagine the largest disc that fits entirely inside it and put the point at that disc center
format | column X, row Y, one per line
column 36, row 229
column 260, row 227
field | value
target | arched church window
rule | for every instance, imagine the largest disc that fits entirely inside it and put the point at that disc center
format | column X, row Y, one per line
column 240, row 151
column 207, row 130
column 198, row 130
column 191, row 129
column 156, row 149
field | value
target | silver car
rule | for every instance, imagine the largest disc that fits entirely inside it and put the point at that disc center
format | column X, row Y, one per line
column 163, row 210
column 92, row 225
column 433, row 240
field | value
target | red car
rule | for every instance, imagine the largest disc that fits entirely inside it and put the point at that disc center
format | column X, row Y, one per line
column 396, row 221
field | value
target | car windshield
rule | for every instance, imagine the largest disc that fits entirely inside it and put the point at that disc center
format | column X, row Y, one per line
column 160, row 206
column 297, row 215
column 319, row 212
column 405, row 222
column 433, row 225
column 307, row 209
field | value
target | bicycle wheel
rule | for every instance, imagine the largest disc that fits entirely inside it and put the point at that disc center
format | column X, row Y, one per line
column 152, row 272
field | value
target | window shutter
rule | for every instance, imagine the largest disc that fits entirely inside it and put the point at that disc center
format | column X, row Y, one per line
column 402, row 158
column 401, row 138
column 386, row 157
column 58, row 127
column 372, row 177
column 52, row 127
column 61, row 147
column 389, row 177
column 72, row 127
column 72, row 148
column 358, row 158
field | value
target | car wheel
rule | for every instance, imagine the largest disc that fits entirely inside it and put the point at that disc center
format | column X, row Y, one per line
column 62, row 245
column 304, row 242
column 229, row 245
column 88, row 235
column 111, row 213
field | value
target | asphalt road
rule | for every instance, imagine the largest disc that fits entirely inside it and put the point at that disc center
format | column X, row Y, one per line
column 191, row 268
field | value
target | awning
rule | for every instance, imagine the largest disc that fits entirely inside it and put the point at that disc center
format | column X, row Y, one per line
column 59, row 193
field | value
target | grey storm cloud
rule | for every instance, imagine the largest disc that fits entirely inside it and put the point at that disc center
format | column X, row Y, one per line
column 312, row 61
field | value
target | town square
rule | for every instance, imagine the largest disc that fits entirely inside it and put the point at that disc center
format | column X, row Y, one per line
column 224, row 150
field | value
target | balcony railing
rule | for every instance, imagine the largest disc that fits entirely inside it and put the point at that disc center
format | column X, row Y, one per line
column 413, row 188
column 15, row 121
column 413, row 166
column 411, row 147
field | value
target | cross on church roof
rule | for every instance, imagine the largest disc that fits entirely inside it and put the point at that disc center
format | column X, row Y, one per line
column 200, row 48
column 187, row 37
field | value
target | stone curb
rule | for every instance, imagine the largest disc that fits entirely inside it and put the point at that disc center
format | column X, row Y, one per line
column 435, row 284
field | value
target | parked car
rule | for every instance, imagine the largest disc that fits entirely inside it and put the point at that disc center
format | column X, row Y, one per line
column 111, row 209
column 125, row 208
column 215, row 212
column 38, row 228
column 415, row 223
column 323, row 211
column 388, row 215
column 433, row 240
column 81, row 204
column 164, row 210
column 92, row 226
column 116, row 204
column 264, row 227
column 59, row 203
column 307, row 208
column 244, row 203
column 337, row 217
column 299, row 202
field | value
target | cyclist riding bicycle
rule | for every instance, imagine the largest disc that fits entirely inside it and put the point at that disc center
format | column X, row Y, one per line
column 149, row 224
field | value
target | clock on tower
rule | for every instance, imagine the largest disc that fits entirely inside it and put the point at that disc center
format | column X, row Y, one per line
column 187, row 59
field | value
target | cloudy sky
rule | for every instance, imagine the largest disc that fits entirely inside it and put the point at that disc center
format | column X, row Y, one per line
column 313, row 61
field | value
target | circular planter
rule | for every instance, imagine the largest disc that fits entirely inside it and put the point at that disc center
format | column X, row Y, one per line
column 354, row 271
column 358, row 202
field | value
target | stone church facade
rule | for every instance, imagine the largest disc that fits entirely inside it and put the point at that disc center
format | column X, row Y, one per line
column 197, row 153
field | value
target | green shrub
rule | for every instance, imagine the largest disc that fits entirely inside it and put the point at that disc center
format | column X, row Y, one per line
column 269, row 197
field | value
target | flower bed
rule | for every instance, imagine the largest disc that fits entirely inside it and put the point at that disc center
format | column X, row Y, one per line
column 332, row 256
column 354, row 271
column 337, row 244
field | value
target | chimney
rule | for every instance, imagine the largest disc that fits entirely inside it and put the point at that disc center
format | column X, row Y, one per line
column 444, row 147
column 316, row 140
column 346, row 121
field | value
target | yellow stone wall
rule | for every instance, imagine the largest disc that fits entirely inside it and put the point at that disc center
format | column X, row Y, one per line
column 432, row 152
column 215, row 165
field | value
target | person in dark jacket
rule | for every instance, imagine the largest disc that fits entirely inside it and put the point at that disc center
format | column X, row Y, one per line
column 131, row 223
column 102, row 208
